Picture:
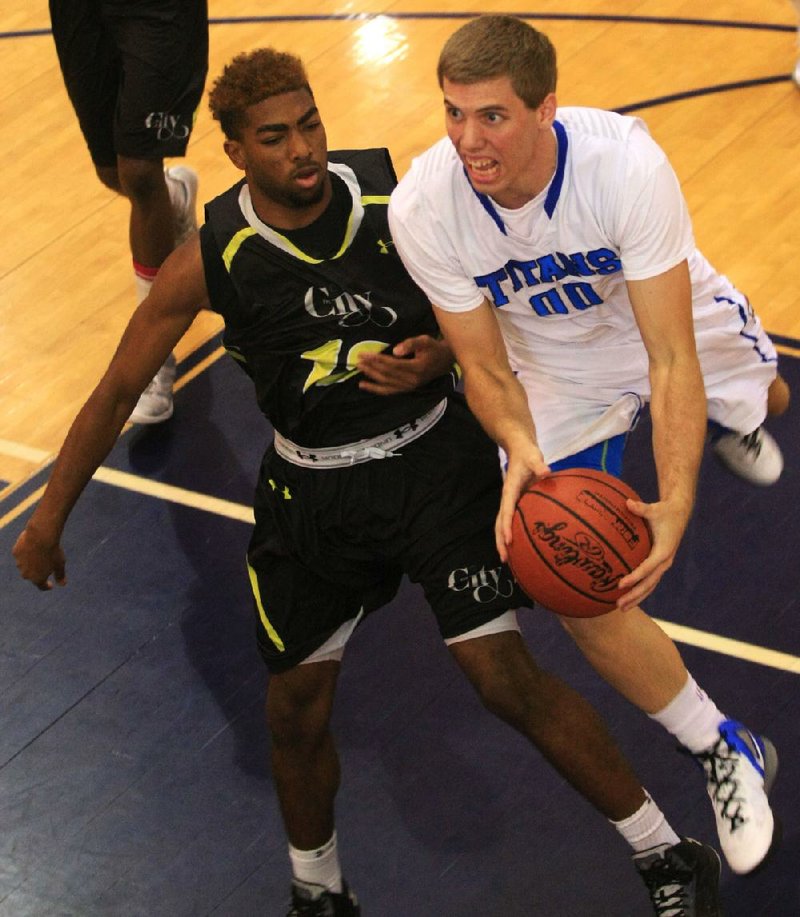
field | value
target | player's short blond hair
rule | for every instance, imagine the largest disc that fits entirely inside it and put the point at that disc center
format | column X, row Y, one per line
column 493, row 46
column 250, row 78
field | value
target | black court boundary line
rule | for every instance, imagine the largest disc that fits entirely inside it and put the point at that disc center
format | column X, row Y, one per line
column 704, row 91
column 552, row 17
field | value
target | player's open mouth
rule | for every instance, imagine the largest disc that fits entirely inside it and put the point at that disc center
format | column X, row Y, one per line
column 482, row 170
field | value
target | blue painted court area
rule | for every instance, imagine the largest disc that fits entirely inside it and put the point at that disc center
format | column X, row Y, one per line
column 134, row 775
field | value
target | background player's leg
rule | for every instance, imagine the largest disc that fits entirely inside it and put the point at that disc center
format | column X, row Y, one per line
column 152, row 234
column 778, row 394
column 162, row 212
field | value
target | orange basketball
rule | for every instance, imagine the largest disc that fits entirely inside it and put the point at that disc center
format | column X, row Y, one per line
column 574, row 538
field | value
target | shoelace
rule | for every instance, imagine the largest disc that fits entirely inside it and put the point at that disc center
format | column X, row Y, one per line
column 666, row 883
column 752, row 442
column 720, row 767
column 318, row 908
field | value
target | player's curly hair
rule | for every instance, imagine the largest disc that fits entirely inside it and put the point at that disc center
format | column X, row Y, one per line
column 250, row 78
column 495, row 45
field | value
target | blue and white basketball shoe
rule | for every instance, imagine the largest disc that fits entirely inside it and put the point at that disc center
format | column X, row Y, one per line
column 740, row 770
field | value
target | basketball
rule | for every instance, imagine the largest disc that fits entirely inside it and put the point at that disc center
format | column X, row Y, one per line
column 574, row 538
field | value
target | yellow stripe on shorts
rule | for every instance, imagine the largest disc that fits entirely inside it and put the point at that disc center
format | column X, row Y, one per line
column 271, row 632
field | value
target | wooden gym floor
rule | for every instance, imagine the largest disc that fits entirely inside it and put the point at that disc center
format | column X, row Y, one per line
column 133, row 761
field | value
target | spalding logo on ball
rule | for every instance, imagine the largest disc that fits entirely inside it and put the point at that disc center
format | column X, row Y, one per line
column 574, row 539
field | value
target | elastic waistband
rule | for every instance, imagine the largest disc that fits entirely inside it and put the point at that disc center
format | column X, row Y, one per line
column 365, row 450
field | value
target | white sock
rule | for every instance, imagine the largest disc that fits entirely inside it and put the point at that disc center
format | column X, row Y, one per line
column 692, row 717
column 143, row 278
column 318, row 867
column 647, row 828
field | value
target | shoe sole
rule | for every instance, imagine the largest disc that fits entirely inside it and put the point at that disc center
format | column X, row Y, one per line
column 149, row 419
column 770, row 774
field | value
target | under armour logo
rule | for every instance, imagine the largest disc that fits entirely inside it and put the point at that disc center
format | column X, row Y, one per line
column 285, row 492
column 383, row 247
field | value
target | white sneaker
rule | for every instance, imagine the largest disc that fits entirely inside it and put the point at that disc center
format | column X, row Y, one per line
column 740, row 770
column 155, row 403
column 755, row 457
column 182, row 184
column 796, row 74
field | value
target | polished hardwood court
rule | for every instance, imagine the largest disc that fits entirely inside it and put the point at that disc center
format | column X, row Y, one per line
column 134, row 774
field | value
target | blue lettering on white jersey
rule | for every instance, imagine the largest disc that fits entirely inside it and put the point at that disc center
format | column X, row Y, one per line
column 552, row 269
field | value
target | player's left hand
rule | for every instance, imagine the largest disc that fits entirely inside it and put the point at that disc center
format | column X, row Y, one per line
column 411, row 364
column 525, row 466
column 667, row 524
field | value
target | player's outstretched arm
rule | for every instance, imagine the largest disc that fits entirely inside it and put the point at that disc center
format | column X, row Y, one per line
column 411, row 364
column 178, row 294
column 663, row 309
column 498, row 401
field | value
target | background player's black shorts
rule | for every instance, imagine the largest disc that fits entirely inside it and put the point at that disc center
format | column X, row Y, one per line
column 134, row 71
column 329, row 542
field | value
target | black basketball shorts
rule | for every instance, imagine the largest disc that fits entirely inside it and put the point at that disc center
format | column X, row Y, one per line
column 134, row 71
column 329, row 543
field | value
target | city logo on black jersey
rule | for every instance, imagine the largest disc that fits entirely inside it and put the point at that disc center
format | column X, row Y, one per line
column 485, row 585
column 352, row 309
column 166, row 126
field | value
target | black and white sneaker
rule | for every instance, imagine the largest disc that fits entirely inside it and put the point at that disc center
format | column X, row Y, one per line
column 683, row 880
column 307, row 901
column 756, row 456
column 740, row 769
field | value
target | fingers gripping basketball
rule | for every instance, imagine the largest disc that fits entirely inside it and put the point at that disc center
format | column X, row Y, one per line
column 574, row 538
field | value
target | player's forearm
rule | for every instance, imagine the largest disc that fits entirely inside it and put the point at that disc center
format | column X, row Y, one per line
column 500, row 404
column 91, row 437
column 678, row 409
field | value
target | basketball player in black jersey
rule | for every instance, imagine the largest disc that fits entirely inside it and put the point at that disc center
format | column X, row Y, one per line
column 357, row 489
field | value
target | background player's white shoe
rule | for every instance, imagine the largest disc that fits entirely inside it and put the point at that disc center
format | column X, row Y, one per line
column 796, row 74
column 182, row 184
column 756, row 457
column 155, row 403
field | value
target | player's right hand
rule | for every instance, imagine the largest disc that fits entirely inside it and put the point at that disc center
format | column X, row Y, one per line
column 39, row 560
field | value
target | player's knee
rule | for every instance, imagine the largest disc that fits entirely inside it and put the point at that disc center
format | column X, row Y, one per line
column 141, row 180
column 298, row 707
column 511, row 686
column 778, row 396
column 109, row 176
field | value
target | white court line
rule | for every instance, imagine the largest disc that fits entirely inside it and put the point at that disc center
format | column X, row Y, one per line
column 714, row 643
column 26, row 453
column 174, row 494
column 749, row 652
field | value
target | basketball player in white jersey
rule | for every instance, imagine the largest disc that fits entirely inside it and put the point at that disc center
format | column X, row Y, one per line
column 557, row 243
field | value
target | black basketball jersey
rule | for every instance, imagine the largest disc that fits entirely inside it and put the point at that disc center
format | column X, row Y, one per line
column 297, row 323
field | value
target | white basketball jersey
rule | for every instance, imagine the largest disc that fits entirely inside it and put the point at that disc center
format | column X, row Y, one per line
column 555, row 269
